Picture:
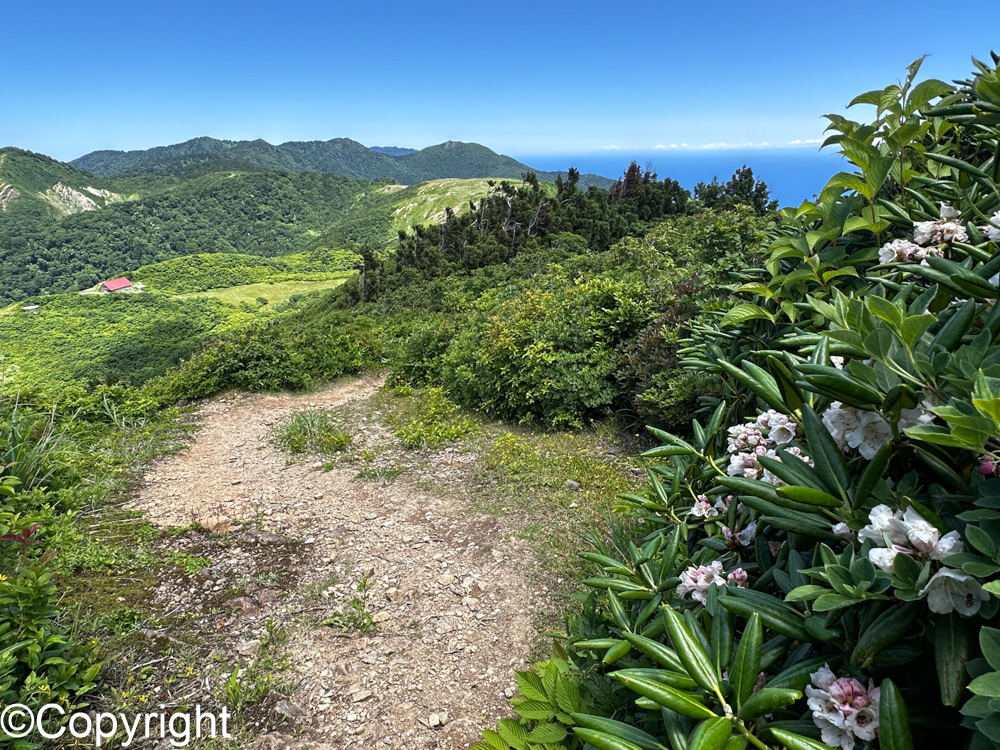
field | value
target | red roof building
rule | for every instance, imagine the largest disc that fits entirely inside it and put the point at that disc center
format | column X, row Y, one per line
column 116, row 285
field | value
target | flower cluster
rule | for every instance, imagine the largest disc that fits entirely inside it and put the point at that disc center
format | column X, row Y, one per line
column 908, row 533
column 904, row 251
column 704, row 508
column 945, row 229
column 867, row 430
column 738, row 539
column 750, row 441
column 697, row 580
column 843, row 709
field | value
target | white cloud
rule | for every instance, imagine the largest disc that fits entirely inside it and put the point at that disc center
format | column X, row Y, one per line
column 611, row 148
column 659, row 147
column 800, row 141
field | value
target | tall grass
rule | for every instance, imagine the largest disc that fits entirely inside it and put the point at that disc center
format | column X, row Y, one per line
column 32, row 447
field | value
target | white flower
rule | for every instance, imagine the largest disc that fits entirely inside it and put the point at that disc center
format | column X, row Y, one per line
column 843, row 531
column 945, row 229
column 823, row 677
column 823, row 706
column 948, row 213
column 696, row 581
column 992, row 229
column 840, row 421
column 842, row 708
column 922, row 232
column 703, row 509
column 949, row 544
column 871, row 434
column 863, row 723
column 780, row 428
column 883, row 558
column 901, row 251
column 746, row 537
column 949, row 590
column 884, row 527
column 922, row 535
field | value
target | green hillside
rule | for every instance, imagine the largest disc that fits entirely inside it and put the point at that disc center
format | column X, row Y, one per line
column 36, row 186
column 340, row 156
column 259, row 213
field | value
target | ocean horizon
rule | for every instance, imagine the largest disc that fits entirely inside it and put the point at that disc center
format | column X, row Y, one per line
column 792, row 174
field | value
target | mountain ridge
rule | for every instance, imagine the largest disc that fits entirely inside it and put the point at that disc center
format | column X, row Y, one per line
column 339, row 156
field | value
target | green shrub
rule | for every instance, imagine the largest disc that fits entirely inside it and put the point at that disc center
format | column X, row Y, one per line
column 41, row 661
column 820, row 565
column 549, row 354
column 430, row 419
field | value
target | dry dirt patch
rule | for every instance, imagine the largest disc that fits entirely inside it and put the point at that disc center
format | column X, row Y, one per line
column 450, row 591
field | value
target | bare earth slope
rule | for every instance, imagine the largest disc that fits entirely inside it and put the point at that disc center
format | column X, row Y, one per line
column 450, row 590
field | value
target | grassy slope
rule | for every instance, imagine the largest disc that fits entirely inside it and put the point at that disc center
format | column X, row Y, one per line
column 275, row 292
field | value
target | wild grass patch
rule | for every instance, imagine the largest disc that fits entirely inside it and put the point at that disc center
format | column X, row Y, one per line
column 312, row 431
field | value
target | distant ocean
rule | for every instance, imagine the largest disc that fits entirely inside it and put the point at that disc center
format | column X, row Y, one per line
column 793, row 174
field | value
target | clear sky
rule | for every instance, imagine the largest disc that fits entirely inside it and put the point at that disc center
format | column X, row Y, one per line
column 524, row 78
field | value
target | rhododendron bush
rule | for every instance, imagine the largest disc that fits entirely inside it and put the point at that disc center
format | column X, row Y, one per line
column 822, row 563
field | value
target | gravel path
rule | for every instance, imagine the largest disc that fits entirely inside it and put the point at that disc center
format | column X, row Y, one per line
column 450, row 591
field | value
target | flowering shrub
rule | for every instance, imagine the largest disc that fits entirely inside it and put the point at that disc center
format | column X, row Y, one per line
column 821, row 567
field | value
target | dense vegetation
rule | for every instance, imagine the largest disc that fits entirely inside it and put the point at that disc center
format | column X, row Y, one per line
column 340, row 156
column 818, row 559
column 533, row 306
column 259, row 213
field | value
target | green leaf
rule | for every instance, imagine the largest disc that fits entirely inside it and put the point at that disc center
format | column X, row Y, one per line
column 886, row 629
column 513, row 733
column 676, row 700
column 767, row 700
column 618, row 729
column 797, row 741
column 535, row 710
column 987, row 684
column 774, row 614
column 696, row 662
column 894, row 722
column 744, row 312
column 810, row 496
column 530, row 685
column 952, row 649
column 829, row 459
column 544, row 733
column 746, row 666
column 656, row 651
column 603, row 741
column 711, row 734
column 989, row 642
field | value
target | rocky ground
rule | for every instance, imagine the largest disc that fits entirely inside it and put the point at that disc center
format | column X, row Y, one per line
column 407, row 614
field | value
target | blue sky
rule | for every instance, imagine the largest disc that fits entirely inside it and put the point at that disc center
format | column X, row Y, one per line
column 525, row 78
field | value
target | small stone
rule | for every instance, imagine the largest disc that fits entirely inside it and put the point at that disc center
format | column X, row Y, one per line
column 434, row 720
column 362, row 696
column 571, row 484
column 446, row 580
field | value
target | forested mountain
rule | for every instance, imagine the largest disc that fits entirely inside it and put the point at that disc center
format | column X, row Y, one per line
column 261, row 213
column 340, row 156
column 393, row 150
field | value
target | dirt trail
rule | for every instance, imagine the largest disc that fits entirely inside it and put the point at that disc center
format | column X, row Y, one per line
column 451, row 594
